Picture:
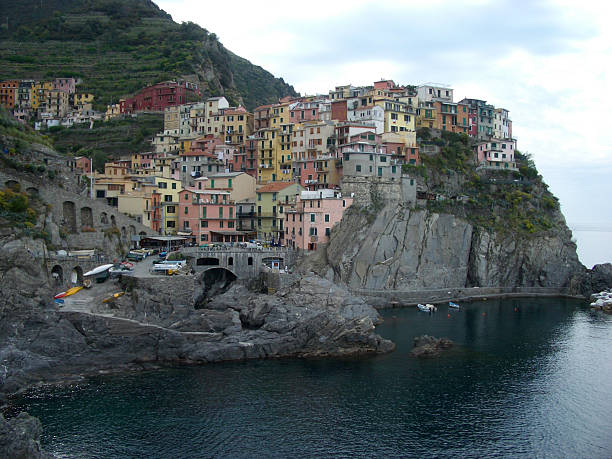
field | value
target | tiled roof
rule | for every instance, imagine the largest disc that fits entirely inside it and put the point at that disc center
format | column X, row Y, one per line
column 274, row 187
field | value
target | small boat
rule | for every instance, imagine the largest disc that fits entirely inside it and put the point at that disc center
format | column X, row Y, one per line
column 98, row 270
column 453, row 305
column 426, row 307
column 68, row 292
column 59, row 301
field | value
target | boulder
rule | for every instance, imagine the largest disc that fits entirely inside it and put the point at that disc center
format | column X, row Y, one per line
column 426, row 346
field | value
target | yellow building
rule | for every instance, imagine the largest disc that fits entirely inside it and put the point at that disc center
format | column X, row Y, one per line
column 39, row 93
column 426, row 115
column 169, row 190
column 272, row 201
column 399, row 118
column 238, row 125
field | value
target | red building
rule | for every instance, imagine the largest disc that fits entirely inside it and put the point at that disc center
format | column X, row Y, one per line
column 8, row 91
column 160, row 96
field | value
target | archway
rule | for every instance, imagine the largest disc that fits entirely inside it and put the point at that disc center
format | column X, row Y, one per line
column 32, row 191
column 230, row 261
column 87, row 217
column 13, row 185
column 213, row 281
column 69, row 213
column 57, row 274
column 113, row 220
column 104, row 218
column 209, row 261
column 76, row 276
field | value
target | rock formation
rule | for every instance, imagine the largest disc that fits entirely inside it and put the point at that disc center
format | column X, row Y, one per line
column 406, row 248
column 426, row 346
column 20, row 438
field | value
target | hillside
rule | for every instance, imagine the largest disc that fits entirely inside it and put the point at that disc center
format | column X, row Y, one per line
column 119, row 46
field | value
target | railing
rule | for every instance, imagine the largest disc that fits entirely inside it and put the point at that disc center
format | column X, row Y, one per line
column 246, row 214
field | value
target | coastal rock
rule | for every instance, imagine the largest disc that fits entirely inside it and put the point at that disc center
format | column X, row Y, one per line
column 404, row 248
column 589, row 281
column 426, row 346
column 20, row 438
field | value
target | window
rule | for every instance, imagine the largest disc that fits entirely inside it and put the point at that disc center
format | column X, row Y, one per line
column 220, row 212
column 230, row 261
column 231, row 212
column 327, row 231
column 250, row 261
column 173, row 185
column 203, row 212
column 204, row 224
column 358, row 168
column 383, row 159
column 313, row 231
column 380, row 172
column 170, row 209
column 170, row 224
column 259, row 198
column 212, row 183
column 186, row 210
column 326, row 218
column 343, row 203
column 312, row 217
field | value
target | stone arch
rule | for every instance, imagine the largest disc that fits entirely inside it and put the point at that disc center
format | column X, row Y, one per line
column 13, row 185
column 207, row 261
column 87, row 217
column 230, row 261
column 69, row 213
column 32, row 191
column 213, row 281
column 76, row 275
column 113, row 220
column 57, row 274
column 104, row 218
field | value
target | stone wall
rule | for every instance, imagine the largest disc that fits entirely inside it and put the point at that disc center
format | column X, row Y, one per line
column 81, row 220
column 369, row 190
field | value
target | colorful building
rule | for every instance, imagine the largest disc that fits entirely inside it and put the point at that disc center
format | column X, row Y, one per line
column 310, row 222
column 497, row 154
column 272, row 200
column 159, row 96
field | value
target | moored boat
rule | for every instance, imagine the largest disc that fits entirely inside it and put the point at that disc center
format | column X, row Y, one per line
column 453, row 305
column 426, row 307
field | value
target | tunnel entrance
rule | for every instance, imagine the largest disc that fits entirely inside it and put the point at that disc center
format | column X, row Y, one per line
column 214, row 281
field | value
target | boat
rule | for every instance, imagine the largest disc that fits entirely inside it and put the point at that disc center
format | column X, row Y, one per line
column 123, row 268
column 426, row 307
column 98, row 270
column 453, row 305
column 68, row 292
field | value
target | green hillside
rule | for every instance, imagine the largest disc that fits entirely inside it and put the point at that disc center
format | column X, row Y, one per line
column 117, row 47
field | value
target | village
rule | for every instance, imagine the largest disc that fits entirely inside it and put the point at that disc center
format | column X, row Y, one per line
column 281, row 175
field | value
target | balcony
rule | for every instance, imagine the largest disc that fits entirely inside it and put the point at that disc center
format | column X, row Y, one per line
column 246, row 214
column 266, row 166
column 310, row 182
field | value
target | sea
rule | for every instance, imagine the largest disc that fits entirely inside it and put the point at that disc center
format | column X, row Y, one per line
column 526, row 378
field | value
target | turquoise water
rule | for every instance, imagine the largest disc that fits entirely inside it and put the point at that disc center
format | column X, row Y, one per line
column 529, row 378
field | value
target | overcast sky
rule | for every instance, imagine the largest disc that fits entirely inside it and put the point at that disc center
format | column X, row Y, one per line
column 549, row 63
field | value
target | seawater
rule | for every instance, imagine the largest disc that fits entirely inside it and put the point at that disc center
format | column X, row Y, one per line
column 527, row 378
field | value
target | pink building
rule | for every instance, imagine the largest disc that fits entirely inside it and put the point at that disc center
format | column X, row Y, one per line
column 210, row 216
column 315, row 214
column 303, row 111
column 83, row 163
column 497, row 154
column 66, row 85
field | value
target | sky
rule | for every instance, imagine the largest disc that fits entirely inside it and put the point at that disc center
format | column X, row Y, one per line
column 548, row 62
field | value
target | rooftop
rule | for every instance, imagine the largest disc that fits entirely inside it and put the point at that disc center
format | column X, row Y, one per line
column 274, row 187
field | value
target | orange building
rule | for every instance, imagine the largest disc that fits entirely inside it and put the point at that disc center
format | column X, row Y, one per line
column 8, row 92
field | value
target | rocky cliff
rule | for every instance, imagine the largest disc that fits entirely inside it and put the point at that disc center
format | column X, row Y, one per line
column 406, row 248
column 39, row 342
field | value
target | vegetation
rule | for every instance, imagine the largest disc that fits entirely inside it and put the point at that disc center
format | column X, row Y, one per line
column 20, row 212
column 107, row 140
column 496, row 200
column 118, row 47
column 20, row 134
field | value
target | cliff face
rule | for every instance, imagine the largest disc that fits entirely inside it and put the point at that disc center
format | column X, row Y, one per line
column 405, row 248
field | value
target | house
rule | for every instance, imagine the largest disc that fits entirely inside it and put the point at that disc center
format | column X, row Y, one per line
column 497, row 154
column 365, row 156
column 240, row 185
column 159, row 96
column 309, row 223
column 209, row 216
column 272, row 200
